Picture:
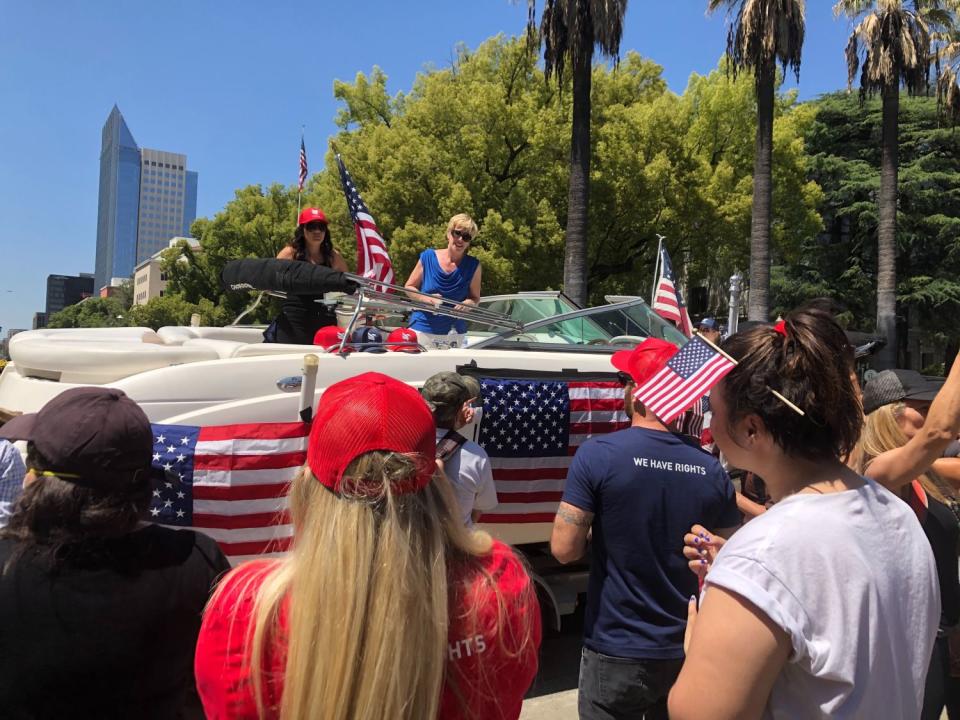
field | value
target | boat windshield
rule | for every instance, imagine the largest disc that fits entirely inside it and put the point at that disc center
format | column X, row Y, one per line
column 555, row 320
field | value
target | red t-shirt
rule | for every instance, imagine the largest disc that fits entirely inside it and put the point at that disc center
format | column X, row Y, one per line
column 223, row 677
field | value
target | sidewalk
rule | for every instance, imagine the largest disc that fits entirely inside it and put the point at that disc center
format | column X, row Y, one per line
column 556, row 706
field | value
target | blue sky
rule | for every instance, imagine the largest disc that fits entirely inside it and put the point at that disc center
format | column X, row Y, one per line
column 230, row 84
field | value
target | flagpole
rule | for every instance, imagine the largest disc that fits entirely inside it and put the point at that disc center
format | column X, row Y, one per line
column 656, row 267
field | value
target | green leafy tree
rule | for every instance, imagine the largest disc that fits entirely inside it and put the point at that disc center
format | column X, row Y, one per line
column 844, row 159
column 569, row 31
column 762, row 33
column 90, row 313
column 891, row 45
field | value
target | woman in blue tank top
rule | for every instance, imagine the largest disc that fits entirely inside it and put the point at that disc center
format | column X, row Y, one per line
column 450, row 275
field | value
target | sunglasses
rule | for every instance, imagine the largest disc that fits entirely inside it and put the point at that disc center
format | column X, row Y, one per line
column 315, row 226
column 465, row 236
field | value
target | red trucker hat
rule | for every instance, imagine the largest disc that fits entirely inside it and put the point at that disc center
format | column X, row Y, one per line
column 308, row 215
column 645, row 359
column 328, row 336
column 371, row 412
column 407, row 339
column 91, row 436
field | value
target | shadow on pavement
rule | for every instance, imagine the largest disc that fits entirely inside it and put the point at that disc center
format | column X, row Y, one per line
column 560, row 657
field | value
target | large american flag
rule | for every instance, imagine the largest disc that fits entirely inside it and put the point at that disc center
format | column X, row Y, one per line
column 373, row 261
column 303, row 166
column 667, row 301
column 686, row 378
column 531, row 429
column 230, row 482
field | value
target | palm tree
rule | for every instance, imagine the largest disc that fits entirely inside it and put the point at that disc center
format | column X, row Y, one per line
column 948, row 74
column 891, row 45
column 570, row 30
column 762, row 33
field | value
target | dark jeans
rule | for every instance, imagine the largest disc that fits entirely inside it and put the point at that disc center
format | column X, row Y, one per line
column 942, row 690
column 613, row 688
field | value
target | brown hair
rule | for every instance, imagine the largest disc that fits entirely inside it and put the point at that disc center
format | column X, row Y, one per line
column 811, row 367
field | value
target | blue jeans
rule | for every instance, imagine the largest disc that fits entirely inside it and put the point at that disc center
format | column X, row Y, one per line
column 613, row 688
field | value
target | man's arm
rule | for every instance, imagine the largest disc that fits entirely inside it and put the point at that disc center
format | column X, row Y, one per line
column 568, row 543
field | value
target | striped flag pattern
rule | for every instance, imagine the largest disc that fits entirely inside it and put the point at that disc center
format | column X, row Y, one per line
column 373, row 261
column 229, row 482
column 686, row 378
column 531, row 430
column 667, row 301
column 303, row 166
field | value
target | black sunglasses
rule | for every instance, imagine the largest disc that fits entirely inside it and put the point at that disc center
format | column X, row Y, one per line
column 465, row 236
column 315, row 226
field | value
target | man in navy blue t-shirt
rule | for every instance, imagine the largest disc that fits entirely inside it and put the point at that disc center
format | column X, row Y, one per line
column 639, row 490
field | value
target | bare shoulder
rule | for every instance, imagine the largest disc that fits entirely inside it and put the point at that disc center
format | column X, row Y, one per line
column 287, row 253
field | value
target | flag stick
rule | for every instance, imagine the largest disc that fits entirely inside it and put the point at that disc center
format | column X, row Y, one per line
column 695, row 332
column 656, row 268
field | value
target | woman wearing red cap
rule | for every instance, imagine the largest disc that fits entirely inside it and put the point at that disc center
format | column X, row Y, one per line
column 301, row 315
column 386, row 606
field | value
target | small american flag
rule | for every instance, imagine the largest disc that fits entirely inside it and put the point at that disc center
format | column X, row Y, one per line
column 303, row 166
column 667, row 301
column 373, row 261
column 686, row 378
column 229, row 482
column 531, row 430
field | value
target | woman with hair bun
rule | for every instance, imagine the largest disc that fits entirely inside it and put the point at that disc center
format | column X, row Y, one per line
column 826, row 605
column 386, row 606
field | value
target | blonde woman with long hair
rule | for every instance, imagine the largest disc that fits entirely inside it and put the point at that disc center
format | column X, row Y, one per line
column 386, row 606
column 891, row 426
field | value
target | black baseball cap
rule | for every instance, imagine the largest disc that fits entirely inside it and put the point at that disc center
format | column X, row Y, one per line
column 890, row 386
column 91, row 436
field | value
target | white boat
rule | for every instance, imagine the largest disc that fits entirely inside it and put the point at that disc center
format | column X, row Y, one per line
column 225, row 375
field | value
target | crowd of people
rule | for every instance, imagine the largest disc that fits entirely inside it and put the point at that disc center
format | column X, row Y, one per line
column 839, row 597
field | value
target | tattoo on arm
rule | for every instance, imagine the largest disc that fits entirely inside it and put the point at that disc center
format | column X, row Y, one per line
column 574, row 518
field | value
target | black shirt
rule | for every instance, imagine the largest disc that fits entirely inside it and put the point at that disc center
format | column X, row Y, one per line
column 111, row 632
column 942, row 529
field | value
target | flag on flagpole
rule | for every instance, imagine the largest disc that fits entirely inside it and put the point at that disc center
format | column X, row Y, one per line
column 303, row 166
column 667, row 301
column 686, row 378
column 229, row 482
column 373, row 261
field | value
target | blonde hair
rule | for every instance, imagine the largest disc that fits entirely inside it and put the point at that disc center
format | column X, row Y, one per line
column 462, row 221
column 368, row 582
column 882, row 432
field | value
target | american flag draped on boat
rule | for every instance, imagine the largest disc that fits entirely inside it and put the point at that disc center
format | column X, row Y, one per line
column 667, row 301
column 229, row 482
column 531, row 429
column 373, row 261
column 303, row 166
column 686, row 378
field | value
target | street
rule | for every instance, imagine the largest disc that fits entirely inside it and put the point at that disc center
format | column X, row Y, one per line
column 554, row 692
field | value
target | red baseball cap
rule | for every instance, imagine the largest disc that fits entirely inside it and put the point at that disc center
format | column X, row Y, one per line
column 407, row 337
column 645, row 359
column 328, row 336
column 308, row 215
column 371, row 412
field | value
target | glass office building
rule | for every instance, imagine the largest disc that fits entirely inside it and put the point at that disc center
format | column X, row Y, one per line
column 146, row 198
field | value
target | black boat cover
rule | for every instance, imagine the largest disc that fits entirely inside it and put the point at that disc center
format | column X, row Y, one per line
column 293, row 277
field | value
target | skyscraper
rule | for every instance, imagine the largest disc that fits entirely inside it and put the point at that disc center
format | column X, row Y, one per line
column 146, row 198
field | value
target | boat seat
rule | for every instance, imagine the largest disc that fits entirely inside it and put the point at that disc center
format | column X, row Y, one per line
column 223, row 348
column 179, row 334
column 96, row 361
column 255, row 349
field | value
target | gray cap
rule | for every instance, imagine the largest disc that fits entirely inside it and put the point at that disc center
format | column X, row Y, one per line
column 448, row 390
column 892, row 386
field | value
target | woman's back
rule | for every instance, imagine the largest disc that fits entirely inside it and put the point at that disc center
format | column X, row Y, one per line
column 851, row 579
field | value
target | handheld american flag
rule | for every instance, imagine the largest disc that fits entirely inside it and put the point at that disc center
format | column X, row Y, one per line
column 373, row 261
column 668, row 302
column 686, row 378
column 229, row 482
column 531, row 430
column 303, row 166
